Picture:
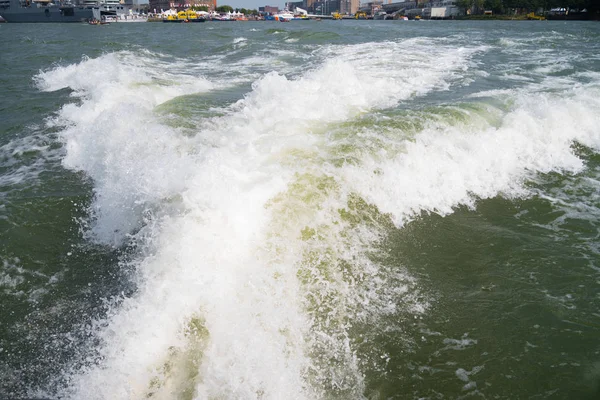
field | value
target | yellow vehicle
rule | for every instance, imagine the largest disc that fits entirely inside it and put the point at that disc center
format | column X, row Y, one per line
column 183, row 16
column 336, row 15
column 191, row 14
column 360, row 15
column 535, row 17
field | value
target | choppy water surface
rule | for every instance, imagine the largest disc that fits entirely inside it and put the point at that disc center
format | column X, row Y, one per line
column 312, row 210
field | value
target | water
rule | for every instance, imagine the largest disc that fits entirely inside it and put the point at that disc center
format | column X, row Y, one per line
column 312, row 210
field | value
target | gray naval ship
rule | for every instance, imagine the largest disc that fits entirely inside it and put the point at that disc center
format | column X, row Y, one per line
column 45, row 11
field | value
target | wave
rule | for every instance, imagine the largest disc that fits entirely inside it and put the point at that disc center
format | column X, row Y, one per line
column 260, row 229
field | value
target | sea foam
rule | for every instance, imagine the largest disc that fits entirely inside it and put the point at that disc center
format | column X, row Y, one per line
column 253, row 261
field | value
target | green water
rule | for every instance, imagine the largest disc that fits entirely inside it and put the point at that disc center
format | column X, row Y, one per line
column 338, row 210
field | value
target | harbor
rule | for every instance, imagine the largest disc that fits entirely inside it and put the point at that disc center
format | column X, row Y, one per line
column 348, row 10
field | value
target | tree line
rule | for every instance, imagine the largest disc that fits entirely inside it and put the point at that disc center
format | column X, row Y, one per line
column 509, row 6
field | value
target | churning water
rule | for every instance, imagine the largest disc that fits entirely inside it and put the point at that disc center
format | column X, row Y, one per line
column 312, row 210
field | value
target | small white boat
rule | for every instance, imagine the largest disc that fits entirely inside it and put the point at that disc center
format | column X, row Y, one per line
column 132, row 18
column 283, row 17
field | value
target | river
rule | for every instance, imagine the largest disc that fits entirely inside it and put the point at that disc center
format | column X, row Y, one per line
column 308, row 210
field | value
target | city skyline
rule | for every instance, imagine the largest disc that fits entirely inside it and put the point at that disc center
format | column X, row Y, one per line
column 251, row 4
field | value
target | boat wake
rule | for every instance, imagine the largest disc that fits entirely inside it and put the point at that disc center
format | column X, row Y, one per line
column 260, row 231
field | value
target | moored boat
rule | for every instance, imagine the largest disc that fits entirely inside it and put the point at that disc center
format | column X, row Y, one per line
column 182, row 17
column 286, row 16
column 43, row 11
column 281, row 17
column 131, row 17
column 96, row 22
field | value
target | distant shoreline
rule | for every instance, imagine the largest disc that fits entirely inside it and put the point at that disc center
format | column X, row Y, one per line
column 595, row 17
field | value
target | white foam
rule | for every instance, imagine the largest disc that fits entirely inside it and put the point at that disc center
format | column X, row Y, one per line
column 505, row 42
column 212, row 245
column 11, row 276
column 398, row 70
column 220, row 216
column 20, row 167
column 465, row 376
column 14, row 279
column 450, row 165
column 113, row 136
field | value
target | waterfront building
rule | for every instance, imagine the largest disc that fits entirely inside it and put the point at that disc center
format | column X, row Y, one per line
column 349, row 7
column 157, row 6
column 442, row 9
column 268, row 10
column 292, row 5
column 333, row 6
column 210, row 4
column 163, row 5
column 326, row 7
column 399, row 6
column 371, row 7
